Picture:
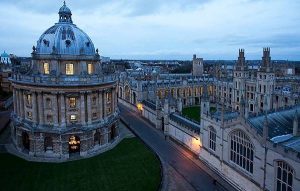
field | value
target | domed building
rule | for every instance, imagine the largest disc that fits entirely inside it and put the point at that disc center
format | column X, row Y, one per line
column 63, row 103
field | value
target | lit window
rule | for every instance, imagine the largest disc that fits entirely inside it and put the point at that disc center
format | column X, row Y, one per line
column 69, row 69
column 242, row 151
column 108, row 97
column 46, row 68
column 73, row 117
column 72, row 102
column 284, row 177
column 90, row 69
column 212, row 138
column 29, row 99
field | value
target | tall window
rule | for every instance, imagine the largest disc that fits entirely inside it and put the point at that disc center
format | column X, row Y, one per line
column 108, row 97
column 69, row 69
column 284, row 177
column 72, row 102
column 212, row 138
column 46, row 68
column 90, row 68
column 241, row 150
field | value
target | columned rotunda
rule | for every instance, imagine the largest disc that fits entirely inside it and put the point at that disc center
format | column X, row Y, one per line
column 63, row 104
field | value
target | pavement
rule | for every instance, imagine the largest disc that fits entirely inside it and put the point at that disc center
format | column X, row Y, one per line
column 184, row 170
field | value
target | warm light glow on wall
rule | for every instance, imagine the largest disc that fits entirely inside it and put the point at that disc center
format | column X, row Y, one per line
column 140, row 106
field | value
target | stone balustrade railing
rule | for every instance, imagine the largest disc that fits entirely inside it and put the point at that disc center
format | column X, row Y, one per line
column 72, row 80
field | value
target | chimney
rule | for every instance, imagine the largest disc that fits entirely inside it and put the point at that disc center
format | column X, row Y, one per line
column 296, row 125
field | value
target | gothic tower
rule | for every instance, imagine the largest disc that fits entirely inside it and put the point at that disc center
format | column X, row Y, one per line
column 240, row 75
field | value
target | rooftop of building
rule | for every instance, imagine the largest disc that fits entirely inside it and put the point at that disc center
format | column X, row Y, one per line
column 280, row 127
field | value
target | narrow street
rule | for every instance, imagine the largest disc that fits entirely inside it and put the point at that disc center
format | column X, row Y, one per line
column 188, row 171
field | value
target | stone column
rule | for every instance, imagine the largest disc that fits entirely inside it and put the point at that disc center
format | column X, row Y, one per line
column 100, row 105
column 63, row 110
column 82, row 108
column 89, row 108
column 34, row 107
column 113, row 92
column 22, row 104
column 55, row 111
column 15, row 100
column 40, row 108
column 18, row 103
column 104, row 103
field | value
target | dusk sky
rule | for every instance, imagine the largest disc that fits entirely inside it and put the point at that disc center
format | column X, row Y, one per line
column 162, row 29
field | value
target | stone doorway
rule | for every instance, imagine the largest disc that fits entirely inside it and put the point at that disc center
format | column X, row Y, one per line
column 26, row 141
column 74, row 144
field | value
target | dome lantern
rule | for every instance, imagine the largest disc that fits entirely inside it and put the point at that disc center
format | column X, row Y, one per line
column 65, row 14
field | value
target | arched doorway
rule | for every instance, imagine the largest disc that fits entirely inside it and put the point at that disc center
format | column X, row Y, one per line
column 26, row 141
column 48, row 144
column 97, row 137
column 74, row 144
column 113, row 132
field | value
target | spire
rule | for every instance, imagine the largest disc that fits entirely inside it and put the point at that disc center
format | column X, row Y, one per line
column 65, row 14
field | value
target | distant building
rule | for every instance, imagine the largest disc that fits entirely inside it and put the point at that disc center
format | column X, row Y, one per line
column 252, row 140
column 5, row 72
column 197, row 66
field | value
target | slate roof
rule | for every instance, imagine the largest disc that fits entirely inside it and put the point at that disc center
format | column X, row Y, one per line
column 280, row 126
column 186, row 122
column 149, row 104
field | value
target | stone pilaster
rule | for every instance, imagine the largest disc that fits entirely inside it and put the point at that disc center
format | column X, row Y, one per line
column 22, row 108
column 113, row 92
column 18, row 103
column 34, row 107
column 104, row 104
column 89, row 108
column 55, row 111
column 15, row 100
column 100, row 104
column 62, row 110
column 40, row 108
column 82, row 108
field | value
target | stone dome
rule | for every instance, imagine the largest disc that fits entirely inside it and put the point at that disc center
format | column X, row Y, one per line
column 65, row 38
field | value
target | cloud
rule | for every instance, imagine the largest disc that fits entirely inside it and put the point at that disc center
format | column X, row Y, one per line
column 214, row 29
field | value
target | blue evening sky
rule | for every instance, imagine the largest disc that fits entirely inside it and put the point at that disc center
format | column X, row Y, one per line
column 162, row 29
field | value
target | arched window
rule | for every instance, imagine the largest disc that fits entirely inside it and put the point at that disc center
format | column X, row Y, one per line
column 241, row 150
column 212, row 138
column 284, row 176
column 48, row 103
